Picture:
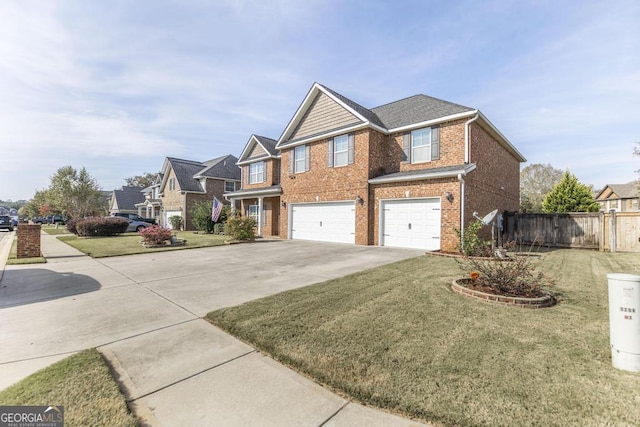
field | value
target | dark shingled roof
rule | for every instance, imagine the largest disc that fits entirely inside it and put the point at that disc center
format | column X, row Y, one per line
column 365, row 112
column 268, row 143
column 186, row 170
column 422, row 173
column 127, row 198
column 416, row 109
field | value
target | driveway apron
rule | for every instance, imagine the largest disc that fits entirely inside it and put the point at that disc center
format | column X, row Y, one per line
column 144, row 314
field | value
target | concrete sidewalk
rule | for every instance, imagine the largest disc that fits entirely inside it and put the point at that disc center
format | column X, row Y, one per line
column 176, row 368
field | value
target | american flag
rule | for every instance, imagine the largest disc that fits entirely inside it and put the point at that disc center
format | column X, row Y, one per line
column 217, row 208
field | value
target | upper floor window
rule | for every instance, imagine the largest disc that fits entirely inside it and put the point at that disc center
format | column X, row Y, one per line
column 340, row 151
column 421, row 145
column 257, row 173
column 634, row 204
column 229, row 186
column 300, row 159
column 613, row 204
column 172, row 184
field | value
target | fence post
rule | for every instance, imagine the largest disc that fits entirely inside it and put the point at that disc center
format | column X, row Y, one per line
column 612, row 231
column 601, row 238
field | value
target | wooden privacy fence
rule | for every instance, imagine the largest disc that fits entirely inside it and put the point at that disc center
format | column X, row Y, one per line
column 611, row 231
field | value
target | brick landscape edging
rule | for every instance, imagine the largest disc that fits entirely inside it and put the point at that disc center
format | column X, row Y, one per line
column 541, row 302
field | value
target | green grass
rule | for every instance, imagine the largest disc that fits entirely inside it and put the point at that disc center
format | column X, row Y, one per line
column 51, row 229
column 129, row 244
column 397, row 337
column 14, row 260
column 82, row 384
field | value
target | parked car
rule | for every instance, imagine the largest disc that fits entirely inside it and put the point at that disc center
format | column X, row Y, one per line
column 6, row 223
column 49, row 219
column 137, row 225
column 134, row 217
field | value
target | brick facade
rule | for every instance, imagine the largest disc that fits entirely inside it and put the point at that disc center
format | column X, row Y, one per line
column 28, row 240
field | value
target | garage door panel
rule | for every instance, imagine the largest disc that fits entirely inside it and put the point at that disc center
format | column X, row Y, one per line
column 411, row 223
column 327, row 222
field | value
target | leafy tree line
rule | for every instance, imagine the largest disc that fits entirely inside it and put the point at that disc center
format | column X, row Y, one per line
column 544, row 188
column 71, row 193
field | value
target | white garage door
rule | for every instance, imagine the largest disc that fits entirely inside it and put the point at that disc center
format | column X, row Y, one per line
column 325, row 222
column 411, row 223
column 169, row 214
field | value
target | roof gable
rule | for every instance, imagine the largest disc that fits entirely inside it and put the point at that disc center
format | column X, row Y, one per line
column 629, row 190
column 258, row 147
column 189, row 172
column 222, row 167
column 127, row 197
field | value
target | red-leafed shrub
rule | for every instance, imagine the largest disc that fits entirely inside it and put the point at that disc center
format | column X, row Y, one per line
column 98, row 226
column 155, row 235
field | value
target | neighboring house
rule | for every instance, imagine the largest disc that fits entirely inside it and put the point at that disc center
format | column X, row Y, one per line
column 151, row 207
column 404, row 174
column 619, row 197
column 125, row 200
column 186, row 182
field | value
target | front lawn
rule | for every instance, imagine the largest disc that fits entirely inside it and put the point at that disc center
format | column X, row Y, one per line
column 82, row 384
column 53, row 229
column 397, row 337
column 129, row 243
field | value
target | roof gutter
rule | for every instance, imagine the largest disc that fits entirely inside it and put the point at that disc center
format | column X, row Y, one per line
column 466, row 137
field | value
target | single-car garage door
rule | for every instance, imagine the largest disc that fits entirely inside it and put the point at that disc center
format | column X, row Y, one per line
column 325, row 222
column 168, row 215
column 413, row 223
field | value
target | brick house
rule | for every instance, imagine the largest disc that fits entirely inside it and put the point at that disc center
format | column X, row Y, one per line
column 187, row 182
column 125, row 200
column 403, row 174
column 619, row 197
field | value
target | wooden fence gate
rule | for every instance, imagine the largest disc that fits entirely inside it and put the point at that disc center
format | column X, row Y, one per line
column 611, row 231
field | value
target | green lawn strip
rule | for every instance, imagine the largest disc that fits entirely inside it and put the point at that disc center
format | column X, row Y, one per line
column 399, row 338
column 129, row 244
column 14, row 260
column 51, row 229
column 82, row 384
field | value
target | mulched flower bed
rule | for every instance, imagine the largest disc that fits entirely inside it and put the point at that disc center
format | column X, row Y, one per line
column 472, row 289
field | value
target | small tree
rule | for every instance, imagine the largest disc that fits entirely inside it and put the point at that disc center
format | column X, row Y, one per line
column 536, row 181
column 144, row 180
column 569, row 195
column 201, row 216
column 470, row 244
column 176, row 222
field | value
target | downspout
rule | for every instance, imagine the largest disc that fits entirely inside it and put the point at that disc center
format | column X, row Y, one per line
column 466, row 137
column 461, row 179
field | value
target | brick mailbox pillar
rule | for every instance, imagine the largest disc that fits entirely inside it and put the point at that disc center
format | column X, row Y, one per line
column 29, row 241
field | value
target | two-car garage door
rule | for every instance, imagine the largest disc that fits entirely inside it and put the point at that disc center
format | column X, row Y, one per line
column 411, row 223
column 325, row 222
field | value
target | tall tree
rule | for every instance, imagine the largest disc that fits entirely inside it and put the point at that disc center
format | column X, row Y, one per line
column 536, row 181
column 570, row 195
column 34, row 206
column 74, row 193
column 145, row 180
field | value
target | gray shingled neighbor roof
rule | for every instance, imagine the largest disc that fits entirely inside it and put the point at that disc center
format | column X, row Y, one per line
column 416, row 109
column 127, row 197
column 186, row 170
column 629, row 190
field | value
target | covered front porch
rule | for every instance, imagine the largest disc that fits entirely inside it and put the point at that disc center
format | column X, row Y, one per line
column 150, row 208
column 263, row 205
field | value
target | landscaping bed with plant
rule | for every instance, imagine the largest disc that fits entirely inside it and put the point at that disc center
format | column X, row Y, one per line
column 397, row 337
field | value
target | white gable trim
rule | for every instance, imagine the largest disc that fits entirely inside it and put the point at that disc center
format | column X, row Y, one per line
column 306, row 103
column 246, row 150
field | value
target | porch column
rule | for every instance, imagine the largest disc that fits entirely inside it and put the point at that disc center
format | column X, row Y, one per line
column 259, row 216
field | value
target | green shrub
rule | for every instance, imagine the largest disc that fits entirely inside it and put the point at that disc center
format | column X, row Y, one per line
column 99, row 226
column 218, row 228
column 240, row 228
column 176, row 222
column 472, row 245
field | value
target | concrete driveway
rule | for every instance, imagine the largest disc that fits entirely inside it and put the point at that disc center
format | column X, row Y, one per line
column 143, row 312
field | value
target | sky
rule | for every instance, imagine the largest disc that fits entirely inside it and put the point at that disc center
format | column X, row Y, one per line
column 117, row 86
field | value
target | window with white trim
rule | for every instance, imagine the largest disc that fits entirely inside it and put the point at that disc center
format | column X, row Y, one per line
column 421, row 145
column 172, row 184
column 300, row 159
column 256, row 172
column 341, row 150
column 229, row 186
column 253, row 212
